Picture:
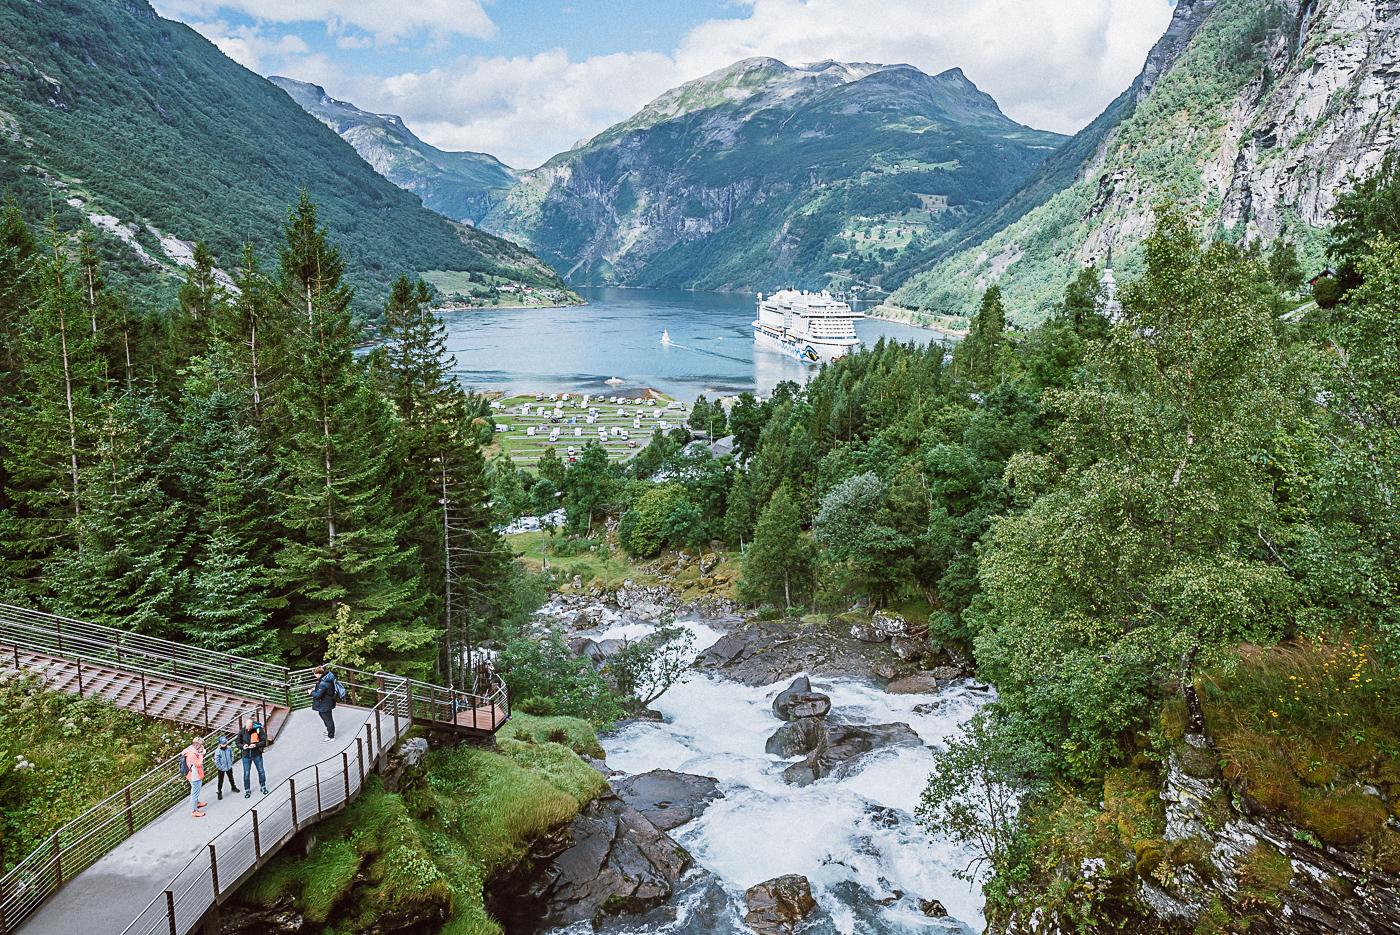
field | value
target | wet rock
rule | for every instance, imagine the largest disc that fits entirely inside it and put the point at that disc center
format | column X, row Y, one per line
column 932, row 908
column 585, row 648
column 589, row 617
column 668, row 799
column 906, row 648
column 889, row 671
column 777, row 906
column 412, row 751
column 600, row 765
column 884, row 816
column 842, row 743
column 764, row 652
column 798, row 701
column 866, row 633
column 609, row 860
column 925, row 683
column 278, row 919
column 796, row 738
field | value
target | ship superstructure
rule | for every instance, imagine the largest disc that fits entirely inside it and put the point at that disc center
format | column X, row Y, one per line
column 814, row 327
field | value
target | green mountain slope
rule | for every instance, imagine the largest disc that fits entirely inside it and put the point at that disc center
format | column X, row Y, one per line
column 460, row 185
column 1254, row 111
column 763, row 175
column 115, row 117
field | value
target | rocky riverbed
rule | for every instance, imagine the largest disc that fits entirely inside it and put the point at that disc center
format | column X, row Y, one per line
column 781, row 768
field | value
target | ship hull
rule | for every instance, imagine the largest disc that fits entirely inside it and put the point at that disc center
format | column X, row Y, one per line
column 808, row 351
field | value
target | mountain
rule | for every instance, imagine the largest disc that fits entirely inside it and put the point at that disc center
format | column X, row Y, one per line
column 113, row 117
column 460, row 185
column 1258, row 112
column 763, row 175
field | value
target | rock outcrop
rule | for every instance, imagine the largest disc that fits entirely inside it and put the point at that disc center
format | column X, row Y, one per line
column 778, row 906
column 610, row 860
column 839, row 744
column 799, row 701
column 666, row 798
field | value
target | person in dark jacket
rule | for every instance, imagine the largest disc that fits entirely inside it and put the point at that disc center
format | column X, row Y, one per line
column 324, row 697
column 252, row 738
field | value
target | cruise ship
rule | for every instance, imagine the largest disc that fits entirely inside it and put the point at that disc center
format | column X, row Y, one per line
column 811, row 326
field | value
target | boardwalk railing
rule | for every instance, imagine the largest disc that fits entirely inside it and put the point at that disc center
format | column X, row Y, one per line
column 94, row 644
column 81, row 842
column 395, row 703
column 309, row 795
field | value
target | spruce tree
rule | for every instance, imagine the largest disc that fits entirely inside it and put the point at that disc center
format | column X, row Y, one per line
column 341, row 532
column 202, row 300
column 47, row 424
column 778, row 563
column 226, row 607
column 446, row 504
column 126, row 565
column 979, row 359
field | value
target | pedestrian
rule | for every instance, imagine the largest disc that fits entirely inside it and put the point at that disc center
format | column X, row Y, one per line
column 324, row 696
column 252, row 739
column 223, row 762
column 192, row 766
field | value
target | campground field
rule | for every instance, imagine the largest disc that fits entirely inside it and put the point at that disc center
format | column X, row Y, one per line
column 528, row 423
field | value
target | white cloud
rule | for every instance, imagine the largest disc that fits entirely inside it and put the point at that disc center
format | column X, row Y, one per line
column 386, row 20
column 1051, row 65
column 250, row 46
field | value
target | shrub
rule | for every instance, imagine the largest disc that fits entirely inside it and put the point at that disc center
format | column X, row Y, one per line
column 552, row 680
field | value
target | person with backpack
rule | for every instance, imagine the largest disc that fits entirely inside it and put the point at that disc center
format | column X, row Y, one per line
column 192, row 768
column 251, row 740
column 324, row 697
column 223, row 762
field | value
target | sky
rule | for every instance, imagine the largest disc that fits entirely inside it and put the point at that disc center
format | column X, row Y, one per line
column 525, row 79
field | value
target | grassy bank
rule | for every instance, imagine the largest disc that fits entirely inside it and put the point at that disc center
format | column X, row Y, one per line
column 609, row 567
column 421, row 856
column 60, row 755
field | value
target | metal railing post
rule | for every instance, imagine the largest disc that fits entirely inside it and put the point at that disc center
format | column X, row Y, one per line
column 59, row 628
column 360, row 755
column 130, row 826
column 206, row 708
column 257, row 838
column 214, row 869
column 319, row 809
column 57, row 859
column 170, row 911
column 143, row 693
column 345, row 770
column 379, row 729
column 293, row 783
column 78, row 661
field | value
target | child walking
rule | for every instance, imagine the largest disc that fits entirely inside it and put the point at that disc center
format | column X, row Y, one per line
column 223, row 762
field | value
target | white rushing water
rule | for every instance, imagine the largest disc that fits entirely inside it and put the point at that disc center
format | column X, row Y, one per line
column 853, row 835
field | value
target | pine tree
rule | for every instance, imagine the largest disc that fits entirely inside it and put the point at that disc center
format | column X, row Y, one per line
column 779, row 560
column 738, row 513
column 979, row 359
column 201, row 305
column 340, row 459
column 47, row 424
column 447, row 504
column 125, row 568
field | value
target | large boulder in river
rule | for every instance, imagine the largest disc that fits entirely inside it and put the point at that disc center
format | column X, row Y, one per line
column 610, row 860
column 907, row 648
column 762, row 652
column 842, row 743
column 798, row 700
column 866, row 633
column 778, row 906
column 796, row 738
column 668, row 799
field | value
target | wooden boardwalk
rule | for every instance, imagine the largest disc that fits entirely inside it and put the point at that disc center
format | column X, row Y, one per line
column 151, row 695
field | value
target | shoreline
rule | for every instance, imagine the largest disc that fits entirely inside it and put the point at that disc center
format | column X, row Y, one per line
column 949, row 333
column 493, row 308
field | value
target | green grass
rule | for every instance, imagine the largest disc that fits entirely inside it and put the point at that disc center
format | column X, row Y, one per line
column 82, row 751
column 534, row 547
column 426, row 853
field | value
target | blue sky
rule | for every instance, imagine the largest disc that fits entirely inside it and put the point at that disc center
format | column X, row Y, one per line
column 524, row 79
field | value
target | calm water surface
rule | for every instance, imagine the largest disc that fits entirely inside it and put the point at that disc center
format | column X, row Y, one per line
column 618, row 334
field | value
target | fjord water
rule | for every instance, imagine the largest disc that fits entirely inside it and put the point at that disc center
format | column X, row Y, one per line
column 852, row 835
column 618, row 334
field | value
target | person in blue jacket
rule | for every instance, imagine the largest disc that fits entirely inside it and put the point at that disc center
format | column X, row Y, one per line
column 223, row 762
column 324, row 698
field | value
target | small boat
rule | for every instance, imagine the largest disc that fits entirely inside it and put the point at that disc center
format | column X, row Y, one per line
column 666, row 338
column 614, row 381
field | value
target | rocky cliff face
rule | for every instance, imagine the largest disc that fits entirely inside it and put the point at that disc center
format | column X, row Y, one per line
column 460, row 185
column 1254, row 113
column 763, row 175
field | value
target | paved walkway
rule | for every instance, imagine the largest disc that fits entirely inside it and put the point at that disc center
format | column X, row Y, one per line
column 111, row 893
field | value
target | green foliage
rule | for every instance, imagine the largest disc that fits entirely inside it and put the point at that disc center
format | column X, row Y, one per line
column 778, row 562
column 1369, row 210
column 546, row 678
column 645, row 669
column 145, row 120
column 60, row 754
column 646, row 526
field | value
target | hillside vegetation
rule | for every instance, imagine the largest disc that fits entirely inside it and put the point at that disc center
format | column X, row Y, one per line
column 763, row 175
column 111, row 113
column 1256, row 113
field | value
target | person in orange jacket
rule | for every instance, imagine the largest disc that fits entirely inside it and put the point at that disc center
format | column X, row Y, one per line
column 192, row 765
